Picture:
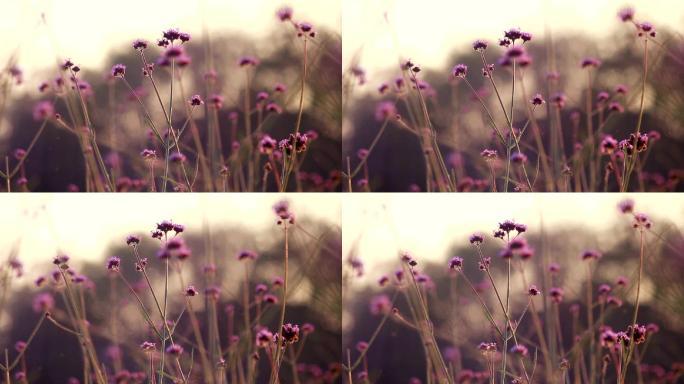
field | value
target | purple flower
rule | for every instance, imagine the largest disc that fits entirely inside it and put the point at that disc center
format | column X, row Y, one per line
column 284, row 14
column 626, row 14
column 621, row 281
column 380, row 304
column 559, row 100
column 590, row 62
column 621, row 89
column 264, row 338
column 556, row 294
column 174, row 52
column 113, row 264
column 174, row 349
column 43, row 302
column 290, row 333
column 20, row 346
column 248, row 61
column 513, row 34
column 515, row 52
column 533, row 290
column 118, row 70
column 476, row 238
column 519, row 349
column 216, row 101
column 647, row 28
column 132, row 240
column 456, row 263
column 604, row 289
column 480, row 45
column 213, row 292
column 139, row 44
column 608, row 145
column 196, row 100
column 267, row 144
column 518, row 158
column 184, row 37
column 247, row 255
column 306, row 28
column 191, row 291
column 43, row 110
column 525, row 37
column 537, row 99
column 459, row 70
column 489, row 154
column 591, row 254
column 385, row 110
column 270, row 298
column 274, row 107
column 616, row 107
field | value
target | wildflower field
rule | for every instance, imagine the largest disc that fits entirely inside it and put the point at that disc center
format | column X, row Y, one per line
column 178, row 304
column 218, row 110
column 519, row 303
column 517, row 111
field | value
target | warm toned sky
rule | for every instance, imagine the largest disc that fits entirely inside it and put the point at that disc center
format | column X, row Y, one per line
column 427, row 31
column 85, row 29
column 427, row 225
column 83, row 225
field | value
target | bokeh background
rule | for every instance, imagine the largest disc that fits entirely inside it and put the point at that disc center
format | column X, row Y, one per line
column 90, row 228
column 436, row 35
column 40, row 34
column 435, row 228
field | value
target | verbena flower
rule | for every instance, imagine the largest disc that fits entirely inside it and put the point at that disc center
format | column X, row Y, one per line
column 626, row 14
column 174, row 349
column 456, row 263
column 590, row 62
column 380, row 304
column 537, row 99
column 191, row 291
column 556, row 294
column 247, row 255
column 43, row 302
column 519, row 349
column 459, row 70
column 480, row 45
column 591, row 254
column 43, row 110
column 533, row 290
column 385, row 110
column 113, row 264
column 284, row 13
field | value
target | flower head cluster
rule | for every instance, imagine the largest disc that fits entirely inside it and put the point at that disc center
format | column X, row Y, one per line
column 283, row 212
column 295, row 142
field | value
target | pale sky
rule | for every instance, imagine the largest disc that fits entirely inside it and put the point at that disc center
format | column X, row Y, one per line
column 428, row 225
column 84, row 29
column 83, row 225
column 427, row 31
